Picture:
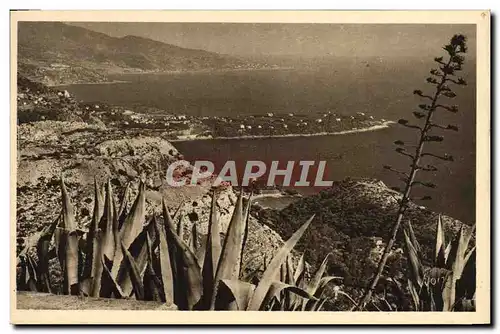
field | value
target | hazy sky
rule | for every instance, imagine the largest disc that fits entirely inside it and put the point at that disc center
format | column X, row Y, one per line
column 294, row 39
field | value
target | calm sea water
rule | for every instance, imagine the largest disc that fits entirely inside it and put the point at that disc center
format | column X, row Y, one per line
column 379, row 88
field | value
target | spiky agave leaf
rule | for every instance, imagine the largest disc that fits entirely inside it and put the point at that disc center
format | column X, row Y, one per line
column 414, row 292
column 132, row 226
column 275, row 290
column 138, row 250
column 323, row 283
column 166, row 270
column 135, row 274
column 440, row 246
column 152, row 285
column 229, row 262
column 455, row 262
column 315, row 282
column 246, row 218
column 413, row 239
column 189, row 280
column 104, row 241
column 272, row 269
column 466, row 284
column 32, row 241
column 71, row 244
column 109, row 287
column 300, row 271
column 107, row 223
column 28, row 277
column 235, row 292
column 212, row 253
column 92, row 246
column 42, row 249
column 122, row 211
column 416, row 270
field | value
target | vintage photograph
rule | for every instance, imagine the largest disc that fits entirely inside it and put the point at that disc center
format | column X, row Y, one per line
column 310, row 167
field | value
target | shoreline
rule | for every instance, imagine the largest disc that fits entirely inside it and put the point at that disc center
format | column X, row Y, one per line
column 173, row 72
column 381, row 126
column 89, row 83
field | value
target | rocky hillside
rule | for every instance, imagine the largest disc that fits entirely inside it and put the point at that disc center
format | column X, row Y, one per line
column 352, row 220
column 58, row 53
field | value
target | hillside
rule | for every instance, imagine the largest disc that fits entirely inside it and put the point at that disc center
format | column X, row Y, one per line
column 57, row 53
column 352, row 220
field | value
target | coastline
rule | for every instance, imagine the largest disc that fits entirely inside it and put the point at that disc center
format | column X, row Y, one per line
column 171, row 72
column 381, row 126
column 111, row 82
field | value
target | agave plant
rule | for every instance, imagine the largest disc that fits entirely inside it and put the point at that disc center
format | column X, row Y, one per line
column 450, row 284
column 314, row 286
column 121, row 257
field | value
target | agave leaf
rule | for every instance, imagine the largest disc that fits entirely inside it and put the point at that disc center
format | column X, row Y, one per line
column 272, row 269
column 275, row 290
column 189, row 271
column 233, row 242
column 466, row 284
column 235, row 291
column 105, row 243
column 212, row 253
column 32, row 241
column 42, row 248
column 109, row 286
column 166, row 270
column 152, row 285
column 459, row 245
column 316, row 280
column 106, row 224
column 138, row 249
column 30, row 273
column 440, row 241
column 122, row 211
column 282, row 276
column 71, row 262
column 323, row 283
column 455, row 262
column 67, row 209
column 71, row 250
column 448, row 293
column 299, row 275
column 229, row 262
column 289, row 279
column 135, row 274
column 413, row 239
column 92, row 246
column 414, row 262
column 132, row 226
column 414, row 295
column 246, row 218
column 319, row 304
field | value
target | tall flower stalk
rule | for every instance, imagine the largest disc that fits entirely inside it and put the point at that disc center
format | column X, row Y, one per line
column 440, row 78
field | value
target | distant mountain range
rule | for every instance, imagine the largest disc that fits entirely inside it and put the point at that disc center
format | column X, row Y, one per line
column 58, row 53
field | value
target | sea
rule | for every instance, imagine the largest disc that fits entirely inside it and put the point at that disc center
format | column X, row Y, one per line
column 379, row 87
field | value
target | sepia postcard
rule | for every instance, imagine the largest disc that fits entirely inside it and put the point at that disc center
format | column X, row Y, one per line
column 332, row 167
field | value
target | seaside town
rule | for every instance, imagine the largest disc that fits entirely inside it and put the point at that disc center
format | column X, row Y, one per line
column 38, row 100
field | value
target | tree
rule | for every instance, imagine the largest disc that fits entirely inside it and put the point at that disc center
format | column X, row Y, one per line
column 441, row 78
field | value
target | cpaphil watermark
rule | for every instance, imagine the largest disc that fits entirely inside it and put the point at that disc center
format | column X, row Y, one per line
column 305, row 173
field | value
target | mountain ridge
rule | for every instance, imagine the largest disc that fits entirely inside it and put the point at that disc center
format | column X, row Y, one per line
column 56, row 53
